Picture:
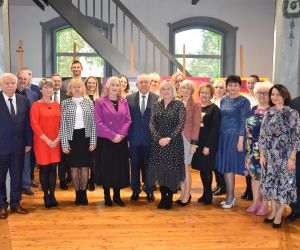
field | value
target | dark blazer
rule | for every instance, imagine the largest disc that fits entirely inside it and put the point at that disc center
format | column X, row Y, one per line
column 31, row 95
column 139, row 133
column 63, row 95
column 15, row 133
column 36, row 89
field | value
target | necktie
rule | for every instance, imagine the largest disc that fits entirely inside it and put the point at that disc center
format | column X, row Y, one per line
column 143, row 107
column 55, row 97
column 12, row 109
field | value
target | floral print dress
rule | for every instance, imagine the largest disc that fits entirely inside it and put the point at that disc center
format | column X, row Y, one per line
column 253, row 124
column 279, row 136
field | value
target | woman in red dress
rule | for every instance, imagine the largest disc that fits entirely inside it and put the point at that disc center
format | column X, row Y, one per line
column 44, row 120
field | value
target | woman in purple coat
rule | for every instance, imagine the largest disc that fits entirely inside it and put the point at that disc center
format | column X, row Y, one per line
column 112, row 119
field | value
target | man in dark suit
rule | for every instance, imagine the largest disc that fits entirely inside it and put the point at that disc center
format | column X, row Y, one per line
column 295, row 214
column 15, row 140
column 59, row 94
column 23, row 81
column 140, row 104
column 31, row 86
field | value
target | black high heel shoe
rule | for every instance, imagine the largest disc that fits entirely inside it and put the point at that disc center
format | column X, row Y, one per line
column 267, row 220
column 118, row 201
column 275, row 225
column 47, row 201
column 183, row 204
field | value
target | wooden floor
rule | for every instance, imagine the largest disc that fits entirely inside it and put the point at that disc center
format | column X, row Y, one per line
column 142, row 225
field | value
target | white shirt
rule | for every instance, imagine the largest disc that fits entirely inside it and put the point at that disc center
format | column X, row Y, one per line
column 141, row 99
column 79, row 114
column 252, row 99
column 14, row 102
column 58, row 95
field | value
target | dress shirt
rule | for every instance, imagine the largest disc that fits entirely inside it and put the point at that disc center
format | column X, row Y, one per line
column 14, row 102
column 79, row 124
column 141, row 99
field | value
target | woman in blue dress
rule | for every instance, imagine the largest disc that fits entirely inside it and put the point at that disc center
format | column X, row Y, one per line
column 230, row 158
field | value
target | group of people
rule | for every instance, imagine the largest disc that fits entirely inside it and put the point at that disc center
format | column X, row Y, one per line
column 154, row 135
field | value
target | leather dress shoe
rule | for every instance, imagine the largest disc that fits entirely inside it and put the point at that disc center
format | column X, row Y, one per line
column 3, row 213
column 292, row 217
column 63, row 185
column 135, row 196
column 18, row 209
column 247, row 196
column 27, row 191
column 219, row 192
column 150, row 197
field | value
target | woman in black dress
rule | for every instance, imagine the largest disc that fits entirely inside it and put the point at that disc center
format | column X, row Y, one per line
column 204, row 158
column 166, row 163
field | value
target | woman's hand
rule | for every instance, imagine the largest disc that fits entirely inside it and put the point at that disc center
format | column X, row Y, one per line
column 66, row 150
column 262, row 160
column 291, row 164
column 164, row 141
column 92, row 147
column 193, row 149
column 240, row 144
column 118, row 138
column 206, row 151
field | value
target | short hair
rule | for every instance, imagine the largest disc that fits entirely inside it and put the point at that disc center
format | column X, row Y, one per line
column 76, row 62
column 45, row 82
column 73, row 82
column 284, row 92
column 96, row 92
column 233, row 78
column 260, row 85
column 108, row 83
column 167, row 83
column 220, row 81
column 207, row 85
column 155, row 76
column 21, row 71
column 175, row 75
column 10, row 76
column 255, row 76
column 189, row 83
column 56, row 75
column 127, row 81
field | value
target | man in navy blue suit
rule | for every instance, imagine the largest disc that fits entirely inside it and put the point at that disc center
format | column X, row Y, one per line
column 23, row 81
column 295, row 214
column 140, row 104
column 15, row 140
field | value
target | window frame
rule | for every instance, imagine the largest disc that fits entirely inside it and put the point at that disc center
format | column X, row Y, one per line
column 227, row 31
column 49, row 53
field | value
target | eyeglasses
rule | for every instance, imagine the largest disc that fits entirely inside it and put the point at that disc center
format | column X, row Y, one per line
column 263, row 92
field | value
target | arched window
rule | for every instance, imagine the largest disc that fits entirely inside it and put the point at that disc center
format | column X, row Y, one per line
column 58, row 41
column 64, row 39
column 209, row 46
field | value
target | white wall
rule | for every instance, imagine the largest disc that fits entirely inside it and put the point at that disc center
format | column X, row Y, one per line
column 254, row 19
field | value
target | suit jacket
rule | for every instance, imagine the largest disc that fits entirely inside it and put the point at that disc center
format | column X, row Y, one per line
column 63, row 95
column 36, row 89
column 139, row 133
column 31, row 95
column 110, row 122
column 67, row 122
column 15, row 133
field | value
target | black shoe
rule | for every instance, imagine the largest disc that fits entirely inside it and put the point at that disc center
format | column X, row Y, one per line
column 161, row 204
column 34, row 184
column 107, row 201
column 275, row 225
column 53, row 201
column 135, row 196
column 47, row 201
column 78, row 197
column 292, row 217
column 63, row 185
column 118, row 201
column 27, row 191
column 247, row 196
column 183, row 204
column 221, row 191
column 201, row 199
column 169, row 202
column 150, row 197
column 267, row 220
column 92, row 186
column 217, row 188
column 84, row 200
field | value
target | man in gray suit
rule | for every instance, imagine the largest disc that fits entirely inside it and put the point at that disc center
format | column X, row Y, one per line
column 23, row 81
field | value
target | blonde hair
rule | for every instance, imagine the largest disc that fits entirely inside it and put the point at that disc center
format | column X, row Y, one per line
column 76, row 82
column 96, row 92
column 207, row 85
column 167, row 83
column 175, row 75
column 108, row 83
column 155, row 76
column 188, row 83
column 9, row 76
column 45, row 82
column 258, row 85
